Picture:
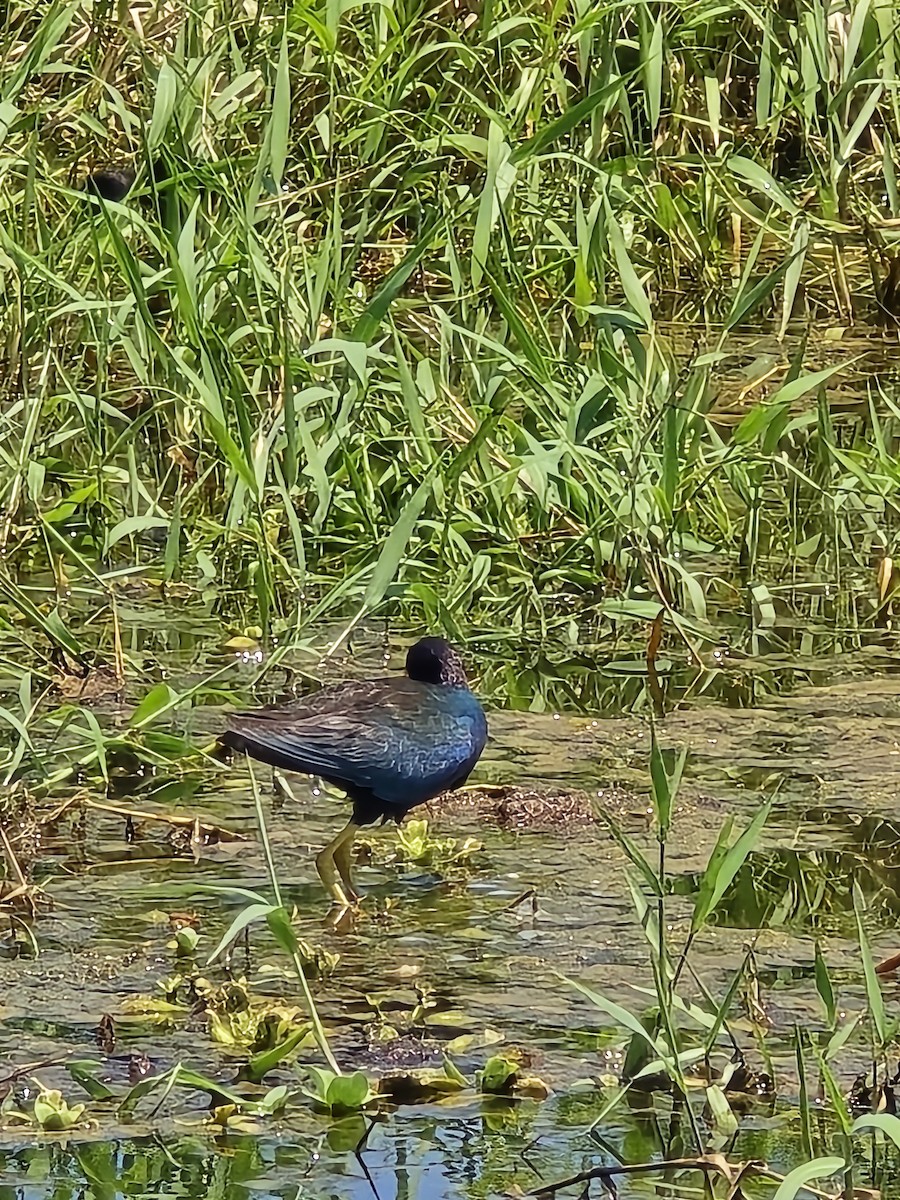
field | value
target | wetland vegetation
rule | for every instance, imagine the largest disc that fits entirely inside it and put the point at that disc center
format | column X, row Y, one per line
column 568, row 331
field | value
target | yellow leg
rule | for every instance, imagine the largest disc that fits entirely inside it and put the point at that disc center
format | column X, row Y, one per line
column 333, row 865
column 343, row 856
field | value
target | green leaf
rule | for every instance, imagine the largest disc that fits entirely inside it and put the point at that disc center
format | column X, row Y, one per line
column 724, row 863
column 147, row 1086
column 315, row 462
column 795, row 1181
column 833, row 1093
column 196, row 1082
column 759, row 178
column 186, row 940
column 506, row 302
column 498, row 180
column 864, row 116
column 267, row 1060
column 807, row 383
column 631, row 284
column 394, row 548
column 280, row 123
column 322, row 1080
column 51, row 624
column 665, row 785
column 713, row 94
column 499, row 1074
column 186, row 274
column 18, row 725
column 706, row 1020
column 793, row 273
column 873, row 986
column 633, row 610
column 247, row 916
column 356, row 354
column 824, row 987
column 646, row 913
column 570, row 118
column 725, row 1121
column 84, row 1072
column 163, row 104
column 377, row 309
column 886, row 1123
column 274, row 1100
column 653, row 72
column 641, row 1049
column 748, row 300
column 348, row 1092
column 633, row 851
column 620, row 1015
column 8, row 114
column 452, row 1071
column 279, row 923
column 841, row 1036
column 52, row 1112
column 159, row 697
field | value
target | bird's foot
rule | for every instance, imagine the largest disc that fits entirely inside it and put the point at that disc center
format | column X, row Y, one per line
column 342, row 918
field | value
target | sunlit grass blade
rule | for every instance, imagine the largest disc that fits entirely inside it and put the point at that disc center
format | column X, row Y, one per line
column 724, row 863
column 873, row 987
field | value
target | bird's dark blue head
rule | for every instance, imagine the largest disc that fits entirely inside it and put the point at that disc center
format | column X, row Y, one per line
column 432, row 660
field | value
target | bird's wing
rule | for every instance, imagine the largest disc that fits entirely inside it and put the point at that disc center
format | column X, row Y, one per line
column 379, row 735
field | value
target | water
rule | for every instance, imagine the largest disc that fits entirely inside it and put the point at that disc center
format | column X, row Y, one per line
column 481, row 949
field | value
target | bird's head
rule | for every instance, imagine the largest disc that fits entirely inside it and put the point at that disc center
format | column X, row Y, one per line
column 432, row 660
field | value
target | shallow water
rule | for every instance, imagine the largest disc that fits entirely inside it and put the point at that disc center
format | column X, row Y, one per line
column 818, row 729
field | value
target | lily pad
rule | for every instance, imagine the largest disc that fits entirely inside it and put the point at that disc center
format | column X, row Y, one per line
column 348, row 1092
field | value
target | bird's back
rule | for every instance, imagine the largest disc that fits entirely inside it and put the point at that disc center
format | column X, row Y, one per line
column 389, row 743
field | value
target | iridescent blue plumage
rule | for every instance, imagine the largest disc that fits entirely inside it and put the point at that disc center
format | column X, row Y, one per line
column 391, row 744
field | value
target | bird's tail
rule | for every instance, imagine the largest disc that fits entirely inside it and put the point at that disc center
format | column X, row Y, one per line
column 261, row 743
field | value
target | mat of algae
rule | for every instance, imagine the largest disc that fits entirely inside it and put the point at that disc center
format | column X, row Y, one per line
column 489, row 965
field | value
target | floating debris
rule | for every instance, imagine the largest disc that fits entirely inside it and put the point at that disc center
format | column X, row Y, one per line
column 512, row 807
column 95, row 685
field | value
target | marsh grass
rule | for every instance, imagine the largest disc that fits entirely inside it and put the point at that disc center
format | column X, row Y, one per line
column 685, row 1041
column 384, row 322
column 436, row 311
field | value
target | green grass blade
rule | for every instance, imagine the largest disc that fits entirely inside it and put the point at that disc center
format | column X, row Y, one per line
column 724, row 863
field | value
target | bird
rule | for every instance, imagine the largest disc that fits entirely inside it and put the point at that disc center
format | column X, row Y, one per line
column 112, row 182
column 390, row 744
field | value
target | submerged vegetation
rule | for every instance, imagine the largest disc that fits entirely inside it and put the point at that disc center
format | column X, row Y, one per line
column 560, row 326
